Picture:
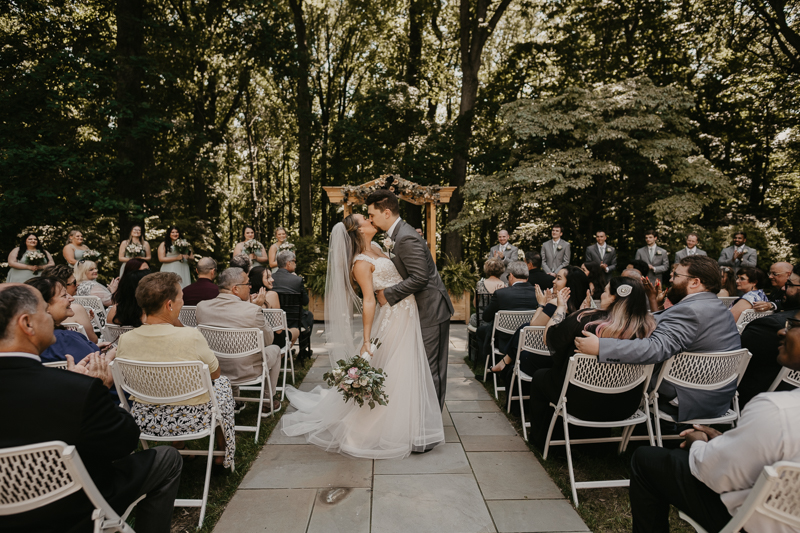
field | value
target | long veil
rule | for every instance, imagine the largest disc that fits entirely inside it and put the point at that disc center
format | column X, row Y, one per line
column 341, row 302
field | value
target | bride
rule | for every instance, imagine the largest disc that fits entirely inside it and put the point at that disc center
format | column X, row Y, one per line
column 412, row 420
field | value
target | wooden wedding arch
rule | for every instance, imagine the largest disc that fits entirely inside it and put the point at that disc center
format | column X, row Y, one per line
column 431, row 196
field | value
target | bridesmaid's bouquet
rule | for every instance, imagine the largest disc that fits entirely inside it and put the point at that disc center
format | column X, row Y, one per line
column 252, row 247
column 286, row 246
column 134, row 250
column 182, row 247
column 357, row 380
column 91, row 255
column 35, row 258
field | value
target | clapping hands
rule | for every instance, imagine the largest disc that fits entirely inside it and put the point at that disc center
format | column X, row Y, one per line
column 94, row 365
column 562, row 298
column 543, row 297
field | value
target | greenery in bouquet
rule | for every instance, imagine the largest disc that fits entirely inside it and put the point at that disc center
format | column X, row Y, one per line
column 182, row 247
column 91, row 255
column 357, row 380
column 35, row 258
column 252, row 247
column 459, row 277
column 134, row 250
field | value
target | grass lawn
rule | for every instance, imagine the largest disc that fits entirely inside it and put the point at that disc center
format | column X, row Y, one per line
column 603, row 510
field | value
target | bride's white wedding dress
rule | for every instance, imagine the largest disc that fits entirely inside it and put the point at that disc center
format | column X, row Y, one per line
column 410, row 422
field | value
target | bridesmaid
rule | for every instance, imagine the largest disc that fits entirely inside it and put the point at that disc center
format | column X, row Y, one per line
column 171, row 260
column 280, row 235
column 248, row 234
column 73, row 251
column 21, row 270
column 135, row 237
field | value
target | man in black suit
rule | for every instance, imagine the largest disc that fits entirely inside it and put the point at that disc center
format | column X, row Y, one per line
column 40, row 404
column 761, row 338
column 518, row 296
column 536, row 276
column 285, row 281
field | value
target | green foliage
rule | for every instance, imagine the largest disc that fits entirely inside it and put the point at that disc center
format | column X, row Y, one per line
column 316, row 277
column 458, row 277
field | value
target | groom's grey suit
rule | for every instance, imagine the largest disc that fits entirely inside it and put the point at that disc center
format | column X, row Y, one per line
column 421, row 278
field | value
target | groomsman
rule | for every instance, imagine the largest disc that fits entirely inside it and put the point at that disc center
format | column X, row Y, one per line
column 555, row 252
column 656, row 257
column 603, row 254
column 739, row 254
column 691, row 248
column 505, row 251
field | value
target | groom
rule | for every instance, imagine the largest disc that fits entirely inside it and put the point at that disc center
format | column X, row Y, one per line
column 410, row 255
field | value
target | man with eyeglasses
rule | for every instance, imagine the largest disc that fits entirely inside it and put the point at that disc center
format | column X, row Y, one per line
column 285, row 281
column 761, row 338
column 233, row 309
column 696, row 322
column 779, row 274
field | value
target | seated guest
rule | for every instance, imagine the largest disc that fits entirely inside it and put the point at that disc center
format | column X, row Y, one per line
column 261, row 283
column 518, row 296
column 66, row 275
column 126, row 311
column 163, row 339
column 86, row 276
column 778, row 274
column 233, row 309
column 104, row 435
column 597, row 278
column 641, row 266
column 728, row 283
column 711, row 474
column 622, row 315
column 59, row 306
column 696, row 322
column 761, row 337
column 493, row 269
column 204, row 288
column 241, row 261
column 536, row 276
column 749, row 282
column 287, row 282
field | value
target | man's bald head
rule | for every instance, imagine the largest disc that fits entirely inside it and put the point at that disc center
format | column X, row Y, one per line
column 779, row 273
column 206, row 268
column 631, row 273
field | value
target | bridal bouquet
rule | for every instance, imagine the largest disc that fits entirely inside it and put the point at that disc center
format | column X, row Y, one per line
column 286, row 246
column 357, row 380
column 182, row 247
column 252, row 246
column 134, row 250
column 35, row 258
column 91, row 255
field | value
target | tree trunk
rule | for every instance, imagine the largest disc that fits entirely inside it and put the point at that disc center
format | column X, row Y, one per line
column 304, row 118
column 134, row 151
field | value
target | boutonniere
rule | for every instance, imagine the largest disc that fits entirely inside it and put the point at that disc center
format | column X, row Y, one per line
column 744, row 252
column 609, row 249
column 388, row 245
column 658, row 252
column 559, row 248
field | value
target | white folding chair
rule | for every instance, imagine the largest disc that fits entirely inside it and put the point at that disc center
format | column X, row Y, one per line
column 167, row 384
column 112, row 332
column 188, row 316
column 791, row 377
column 95, row 304
column 747, row 316
column 73, row 326
column 276, row 318
column 775, row 495
column 586, row 372
column 235, row 343
column 700, row 371
column 505, row 322
column 57, row 364
column 531, row 339
column 39, row 474
column 728, row 300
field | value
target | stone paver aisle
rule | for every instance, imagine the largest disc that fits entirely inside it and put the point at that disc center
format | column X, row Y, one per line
column 483, row 479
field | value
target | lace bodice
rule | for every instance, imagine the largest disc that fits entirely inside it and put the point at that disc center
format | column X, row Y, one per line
column 385, row 274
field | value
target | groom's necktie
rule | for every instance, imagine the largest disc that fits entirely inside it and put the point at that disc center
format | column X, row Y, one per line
column 652, row 250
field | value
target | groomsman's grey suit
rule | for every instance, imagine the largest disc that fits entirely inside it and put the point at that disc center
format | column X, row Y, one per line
column 660, row 261
column 686, row 253
column 749, row 259
column 698, row 323
column 510, row 252
column 554, row 259
column 421, row 278
column 609, row 257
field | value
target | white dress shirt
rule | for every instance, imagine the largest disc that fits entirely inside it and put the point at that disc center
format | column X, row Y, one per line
column 691, row 251
column 768, row 432
column 651, row 250
column 602, row 249
column 393, row 226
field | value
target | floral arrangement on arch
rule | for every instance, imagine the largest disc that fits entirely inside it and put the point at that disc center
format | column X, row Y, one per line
column 357, row 194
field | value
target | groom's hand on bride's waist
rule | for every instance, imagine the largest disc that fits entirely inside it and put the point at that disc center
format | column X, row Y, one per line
column 381, row 298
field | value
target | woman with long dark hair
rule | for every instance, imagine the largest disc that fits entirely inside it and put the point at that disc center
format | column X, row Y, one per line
column 133, row 247
column 728, row 283
column 622, row 315
column 251, row 247
column 28, row 259
column 173, row 258
column 597, row 278
column 261, row 278
column 126, row 310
